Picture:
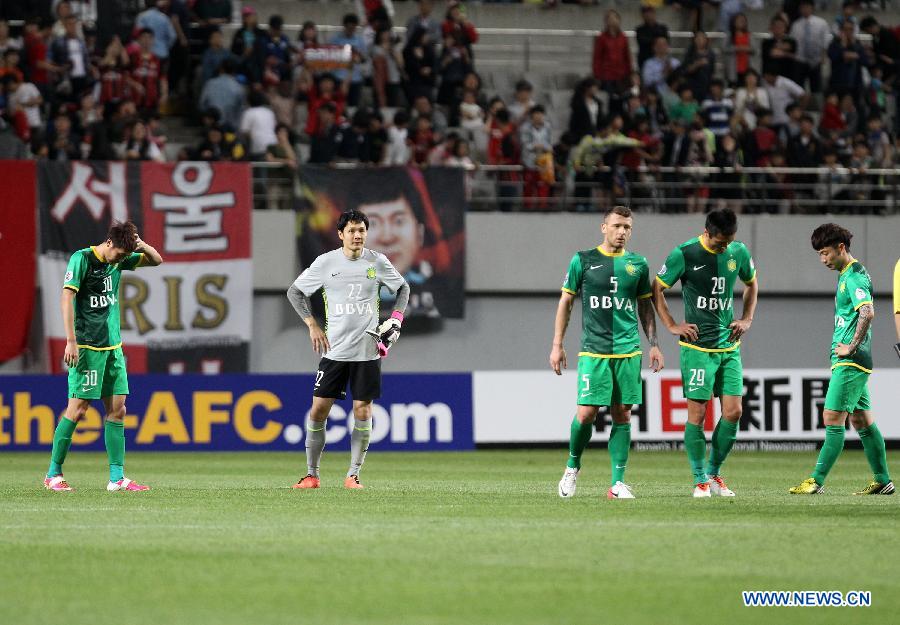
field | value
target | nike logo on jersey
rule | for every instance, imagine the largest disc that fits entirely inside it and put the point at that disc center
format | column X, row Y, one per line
column 595, row 266
column 335, row 274
column 620, row 466
column 698, row 268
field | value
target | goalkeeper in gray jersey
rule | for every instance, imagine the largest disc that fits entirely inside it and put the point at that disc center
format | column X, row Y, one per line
column 353, row 342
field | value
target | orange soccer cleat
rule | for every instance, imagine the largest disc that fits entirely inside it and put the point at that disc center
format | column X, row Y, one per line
column 310, row 481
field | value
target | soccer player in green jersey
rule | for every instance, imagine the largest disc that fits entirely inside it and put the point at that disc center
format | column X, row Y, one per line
column 708, row 267
column 851, row 364
column 90, row 309
column 615, row 291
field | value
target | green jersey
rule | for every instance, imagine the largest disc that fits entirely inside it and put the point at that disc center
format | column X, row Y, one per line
column 707, row 289
column 610, row 285
column 96, row 284
column 854, row 290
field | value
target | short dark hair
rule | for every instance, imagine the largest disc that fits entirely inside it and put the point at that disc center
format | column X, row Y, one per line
column 622, row 211
column 868, row 22
column 537, row 108
column 721, row 222
column 829, row 235
column 123, row 235
column 350, row 18
column 276, row 21
column 523, row 85
column 354, row 216
column 145, row 31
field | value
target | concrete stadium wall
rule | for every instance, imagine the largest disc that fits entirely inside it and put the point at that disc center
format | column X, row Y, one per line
column 515, row 264
column 514, row 333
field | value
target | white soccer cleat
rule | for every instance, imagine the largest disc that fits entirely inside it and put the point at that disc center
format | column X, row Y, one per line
column 718, row 487
column 701, row 490
column 567, row 483
column 619, row 490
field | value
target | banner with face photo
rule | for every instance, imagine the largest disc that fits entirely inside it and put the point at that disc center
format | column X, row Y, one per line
column 416, row 218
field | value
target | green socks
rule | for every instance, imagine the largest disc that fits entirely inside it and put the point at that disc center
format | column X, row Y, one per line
column 722, row 442
column 695, row 446
column 831, row 449
column 873, row 445
column 114, row 436
column 62, row 440
column 579, row 437
column 619, row 444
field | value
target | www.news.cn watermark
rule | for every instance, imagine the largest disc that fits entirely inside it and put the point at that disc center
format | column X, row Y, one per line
column 806, row 598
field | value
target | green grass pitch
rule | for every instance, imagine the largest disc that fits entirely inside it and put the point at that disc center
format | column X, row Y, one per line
column 476, row 538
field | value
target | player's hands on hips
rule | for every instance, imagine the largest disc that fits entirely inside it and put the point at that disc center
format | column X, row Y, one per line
column 688, row 331
column 558, row 359
column 319, row 339
column 70, row 356
column 657, row 360
column 738, row 328
column 842, row 350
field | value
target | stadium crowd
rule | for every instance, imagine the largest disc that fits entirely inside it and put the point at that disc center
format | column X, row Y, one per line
column 370, row 95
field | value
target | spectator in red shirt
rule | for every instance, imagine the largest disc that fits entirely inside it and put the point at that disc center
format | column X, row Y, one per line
column 321, row 92
column 457, row 24
column 37, row 65
column 114, row 72
column 10, row 66
column 503, row 149
column 612, row 58
column 148, row 86
column 421, row 141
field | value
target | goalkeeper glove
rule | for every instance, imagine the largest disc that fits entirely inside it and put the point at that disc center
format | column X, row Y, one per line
column 388, row 332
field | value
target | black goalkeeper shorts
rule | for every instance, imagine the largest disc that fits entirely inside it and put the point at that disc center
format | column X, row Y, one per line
column 364, row 377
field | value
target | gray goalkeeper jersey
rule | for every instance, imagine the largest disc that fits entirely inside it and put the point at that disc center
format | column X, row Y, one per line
column 350, row 290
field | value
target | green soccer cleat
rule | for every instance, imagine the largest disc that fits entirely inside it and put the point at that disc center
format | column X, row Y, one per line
column 809, row 486
column 877, row 488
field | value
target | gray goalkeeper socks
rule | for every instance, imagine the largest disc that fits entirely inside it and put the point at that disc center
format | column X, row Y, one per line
column 359, row 445
column 315, row 445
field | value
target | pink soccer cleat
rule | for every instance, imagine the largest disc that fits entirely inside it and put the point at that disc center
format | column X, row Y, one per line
column 126, row 484
column 57, row 483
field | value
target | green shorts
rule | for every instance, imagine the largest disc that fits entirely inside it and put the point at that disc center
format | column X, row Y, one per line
column 708, row 374
column 98, row 374
column 609, row 381
column 848, row 390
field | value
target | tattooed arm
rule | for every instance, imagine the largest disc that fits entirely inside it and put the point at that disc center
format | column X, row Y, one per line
column 866, row 315
column 648, row 322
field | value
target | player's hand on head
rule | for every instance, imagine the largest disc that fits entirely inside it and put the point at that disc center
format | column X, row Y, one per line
column 688, row 331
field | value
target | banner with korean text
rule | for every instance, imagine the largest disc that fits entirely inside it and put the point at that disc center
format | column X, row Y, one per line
column 192, row 314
